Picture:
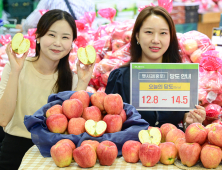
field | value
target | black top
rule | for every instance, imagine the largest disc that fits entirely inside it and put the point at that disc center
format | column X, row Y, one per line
column 119, row 82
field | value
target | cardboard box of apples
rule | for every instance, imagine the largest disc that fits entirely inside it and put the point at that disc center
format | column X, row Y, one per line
column 82, row 116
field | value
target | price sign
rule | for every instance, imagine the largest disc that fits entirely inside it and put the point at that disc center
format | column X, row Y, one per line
column 168, row 87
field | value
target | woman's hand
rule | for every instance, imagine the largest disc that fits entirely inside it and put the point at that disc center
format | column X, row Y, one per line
column 197, row 115
column 15, row 62
column 84, row 75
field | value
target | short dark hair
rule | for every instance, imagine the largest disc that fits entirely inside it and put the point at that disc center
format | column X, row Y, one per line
column 172, row 54
column 64, row 81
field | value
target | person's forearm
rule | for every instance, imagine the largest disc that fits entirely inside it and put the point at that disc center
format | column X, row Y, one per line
column 9, row 99
column 185, row 124
column 81, row 86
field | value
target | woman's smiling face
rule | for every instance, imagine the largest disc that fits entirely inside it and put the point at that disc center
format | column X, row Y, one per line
column 154, row 38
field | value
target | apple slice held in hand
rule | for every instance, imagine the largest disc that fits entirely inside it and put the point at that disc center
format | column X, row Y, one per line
column 20, row 44
column 87, row 55
column 151, row 135
column 95, row 129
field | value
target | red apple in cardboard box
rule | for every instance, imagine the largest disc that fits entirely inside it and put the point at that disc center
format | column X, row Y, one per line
column 113, row 104
column 76, row 126
column 93, row 143
column 190, row 45
column 97, row 99
column 152, row 135
column 165, row 128
column 114, row 123
column 168, row 153
column 61, row 154
column 57, row 123
column 174, row 134
column 215, row 135
column 93, row 113
column 189, row 153
column 85, row 156
column 72, row 108
column 56, row 109
column 107, row 153
column 210, row 156
column 83, row 96
column 149, row 154
column 123, row 115
column 95, row 129
column 196, row 133
column 130, row 151
column 68, row 141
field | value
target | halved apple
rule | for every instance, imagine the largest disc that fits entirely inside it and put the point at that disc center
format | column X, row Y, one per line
column 20, row 44
column 87, row 55
column 95, row 129
column 151, row 135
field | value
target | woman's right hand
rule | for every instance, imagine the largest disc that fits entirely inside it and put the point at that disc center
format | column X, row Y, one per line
column 15, row 62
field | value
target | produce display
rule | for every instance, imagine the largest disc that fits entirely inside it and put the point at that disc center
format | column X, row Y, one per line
column 165, row 145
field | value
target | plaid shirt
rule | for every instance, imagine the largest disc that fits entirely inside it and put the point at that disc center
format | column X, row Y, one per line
column 79, row 8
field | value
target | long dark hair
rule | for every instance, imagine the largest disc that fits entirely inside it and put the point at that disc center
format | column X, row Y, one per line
column 172, row 54
column 64, row 81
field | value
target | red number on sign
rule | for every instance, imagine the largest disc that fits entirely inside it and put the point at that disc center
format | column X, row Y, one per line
column 178, row 99
column 185, row 100
column 155, row 99
column 149, row 98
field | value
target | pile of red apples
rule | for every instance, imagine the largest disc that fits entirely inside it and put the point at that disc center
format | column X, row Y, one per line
column 64, row 152
column 168, row 143
column 75, row 116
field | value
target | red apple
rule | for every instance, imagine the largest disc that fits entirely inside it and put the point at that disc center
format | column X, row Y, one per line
column 76, row 126
column 209, row 127
column 61, row 154
column 165, row 128
column 93, row 113
column 174, row 134
column 117, row 44
column 95, row 129
column 149, row 154
column 210, row 156
column 123, row 115
column 196, row 133
column 107, row 153
column 190, row 45
column 72, row 108
column 113, row 104
column 57, row 123
column 178, row 143
column 83, row 96
column 215, row 135
column 90, row 89
column 93, row 143
column 151, row 135
column 85, row 156
column 195, row 57
column 114, row 123
column 189, row 153
column 56, row 109
column 73, row 146
column 97, row 99
column 127, row 36
column 168, row 153
column 130, row 151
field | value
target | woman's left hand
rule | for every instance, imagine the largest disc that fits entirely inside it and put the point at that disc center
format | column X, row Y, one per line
column 84, row 75
column 197, row 115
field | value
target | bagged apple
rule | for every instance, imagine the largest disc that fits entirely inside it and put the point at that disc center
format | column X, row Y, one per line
column 20, row 44
column 213, row 111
